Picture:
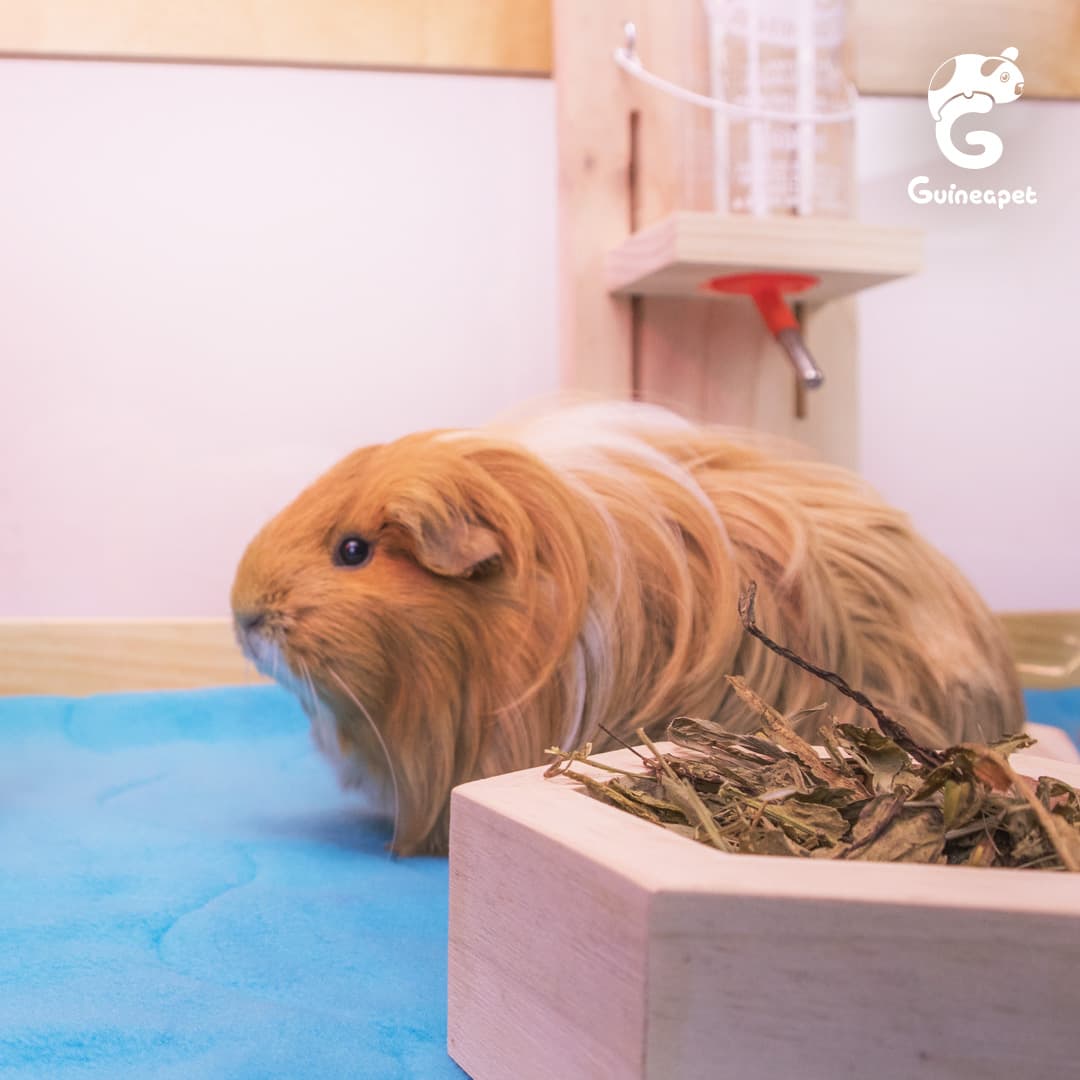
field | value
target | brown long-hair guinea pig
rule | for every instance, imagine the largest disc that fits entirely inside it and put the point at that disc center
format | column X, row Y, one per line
column 449, row 605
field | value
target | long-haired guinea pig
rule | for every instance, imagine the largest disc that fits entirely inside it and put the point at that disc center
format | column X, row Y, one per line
column 449, row 605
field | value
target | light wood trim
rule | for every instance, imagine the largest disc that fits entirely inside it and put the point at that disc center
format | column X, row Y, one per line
column 1046, row 645
column 899, row 46
column 496, row 36
column 896, row 47
column 92, row 656
column 89, row 656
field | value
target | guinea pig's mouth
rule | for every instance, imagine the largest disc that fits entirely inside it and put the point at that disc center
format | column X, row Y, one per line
column 263, row 652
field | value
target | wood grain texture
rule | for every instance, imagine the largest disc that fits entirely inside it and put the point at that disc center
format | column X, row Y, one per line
column 612, row 184
column 499, row 36
column 754, row 966
column 91, row 656
column 831, row 420
column 678, row 255
column 512, row 1009
column 86, row 656
column 593, row 108
column 898, row 47
column 1046, row 646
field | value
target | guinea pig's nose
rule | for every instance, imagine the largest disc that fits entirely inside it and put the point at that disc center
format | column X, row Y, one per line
column 1019, row 89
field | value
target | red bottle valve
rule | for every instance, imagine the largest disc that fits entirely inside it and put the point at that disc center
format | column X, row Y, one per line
column 767, row 291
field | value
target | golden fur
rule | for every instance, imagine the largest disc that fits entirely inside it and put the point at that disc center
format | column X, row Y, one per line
column 528, row 585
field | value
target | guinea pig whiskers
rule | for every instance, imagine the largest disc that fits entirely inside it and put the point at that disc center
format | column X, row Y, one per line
column 382, row 742
column 305, row 674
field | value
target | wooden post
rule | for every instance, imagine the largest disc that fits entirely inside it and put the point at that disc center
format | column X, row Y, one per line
column 630, row 155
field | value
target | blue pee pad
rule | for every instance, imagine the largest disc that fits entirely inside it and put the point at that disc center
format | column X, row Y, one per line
column 1057, row 708
column 184, row 892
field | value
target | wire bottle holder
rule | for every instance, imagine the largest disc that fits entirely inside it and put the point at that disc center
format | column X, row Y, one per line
column 783, row 110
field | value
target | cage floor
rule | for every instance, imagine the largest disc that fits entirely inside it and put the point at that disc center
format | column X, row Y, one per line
column 184, row 892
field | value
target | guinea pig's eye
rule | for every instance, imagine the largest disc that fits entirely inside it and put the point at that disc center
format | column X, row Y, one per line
column 354, row 551
column 1004, row 76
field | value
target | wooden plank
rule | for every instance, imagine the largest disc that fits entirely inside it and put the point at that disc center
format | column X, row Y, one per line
column 613, row 183
column 1046, row 646
column 678, row 255
column 898, row 47
column 595, row 207
column 514, row 1007
column 85, row 656
column 681, row 338
column 89, row 656
column 505, row 36
column 727, row 937
column 888, row 978
column 829, row 419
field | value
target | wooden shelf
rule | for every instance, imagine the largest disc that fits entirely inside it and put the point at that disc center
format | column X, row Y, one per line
column 676, row 256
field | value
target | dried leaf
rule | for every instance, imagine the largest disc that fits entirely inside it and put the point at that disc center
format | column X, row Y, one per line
column 1066, row 840
column 1011, row 743
column 908, row 836
column 874, row 818
column 960, row 802
column 827, row 824
column 1060, row 798
column 785, row 736
column 686, row 798
column 873, row 795
column 983, row 852
column 993, row 772
column 840, row 762
column 882, row 758
column 767, row 839
column 610, row 793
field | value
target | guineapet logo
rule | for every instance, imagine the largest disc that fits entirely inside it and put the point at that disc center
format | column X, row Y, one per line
column 972, row 83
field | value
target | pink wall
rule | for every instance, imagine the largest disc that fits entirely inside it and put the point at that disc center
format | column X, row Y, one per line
column 969, row 402
column 216, row 281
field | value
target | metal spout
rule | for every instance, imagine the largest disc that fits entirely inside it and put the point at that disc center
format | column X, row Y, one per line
column 799, row 355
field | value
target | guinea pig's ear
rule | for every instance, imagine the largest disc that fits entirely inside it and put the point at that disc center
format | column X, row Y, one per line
column 456, row 548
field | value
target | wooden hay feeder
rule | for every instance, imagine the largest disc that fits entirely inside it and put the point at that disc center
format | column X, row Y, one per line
column 586, row 943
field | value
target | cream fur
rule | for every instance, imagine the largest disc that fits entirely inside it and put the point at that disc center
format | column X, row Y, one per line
column 623, row 537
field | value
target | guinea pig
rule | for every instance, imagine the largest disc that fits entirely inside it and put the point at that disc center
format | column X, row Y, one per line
column 449, row 605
